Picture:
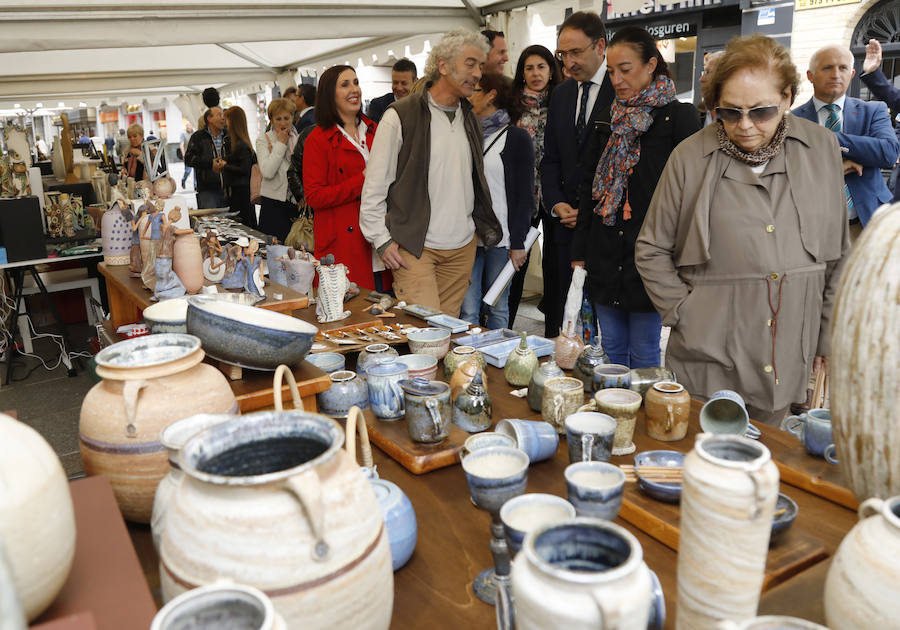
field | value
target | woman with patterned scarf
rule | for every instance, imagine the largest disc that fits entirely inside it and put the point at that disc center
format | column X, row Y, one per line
column 742, row 247
column 630, row 145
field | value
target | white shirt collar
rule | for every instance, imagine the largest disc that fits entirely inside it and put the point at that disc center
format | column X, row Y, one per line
column 839, row 102
column 306, row 109
column 597, row 79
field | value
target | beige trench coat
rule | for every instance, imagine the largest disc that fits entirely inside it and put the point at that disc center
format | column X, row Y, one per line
column 745, row 267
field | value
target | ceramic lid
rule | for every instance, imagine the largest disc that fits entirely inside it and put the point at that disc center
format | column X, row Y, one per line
column 387, row 366
column 375, row 348
column 419, row 386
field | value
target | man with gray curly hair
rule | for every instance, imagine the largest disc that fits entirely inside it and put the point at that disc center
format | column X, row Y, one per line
column 425, row 197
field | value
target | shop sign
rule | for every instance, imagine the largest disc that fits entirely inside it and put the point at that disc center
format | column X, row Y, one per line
column 664, row 30
column 661, row 7
column 108, row 116
column 800, row 5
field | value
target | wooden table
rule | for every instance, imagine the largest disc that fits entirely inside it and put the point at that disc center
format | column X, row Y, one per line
column 128, row 297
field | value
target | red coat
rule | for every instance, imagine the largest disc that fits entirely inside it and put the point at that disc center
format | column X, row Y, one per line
column 332, row 182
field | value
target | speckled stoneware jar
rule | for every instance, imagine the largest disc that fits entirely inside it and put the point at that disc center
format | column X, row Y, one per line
column 568, row 347
column 520, row 364
column 462, row 377
column 429, row 412
column 667, row 407
column 221, row 606
column 536, row 385
column 472, row 408
column 592, row 356
column 372, row 352
column 347, row 390
column 458, row 356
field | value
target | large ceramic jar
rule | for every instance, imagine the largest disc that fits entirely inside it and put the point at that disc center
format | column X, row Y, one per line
column 148, row 383
column 188, row 261
column 864, row 370
column 861, row 587
column 37, row 522
column 592, row 356
column 730, row 486
column 536, row 385
column 116, row 235
column 371, row 353
column 582, row 574
column 667, row 408
column 271, row 499
column 458, row 356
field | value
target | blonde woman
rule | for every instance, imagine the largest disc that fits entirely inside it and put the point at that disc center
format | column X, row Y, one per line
column 132, row 159
column 273, row 151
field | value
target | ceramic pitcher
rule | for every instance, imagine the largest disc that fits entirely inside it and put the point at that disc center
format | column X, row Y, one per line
column 428, row 410
column 383, row 380
column 272, row 499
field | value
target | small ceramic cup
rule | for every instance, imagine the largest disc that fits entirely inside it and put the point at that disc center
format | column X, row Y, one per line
column 595, row 489
column 622, row 405
column 525, row 513
column 538, row 439
column 383, row 380
column 563, row 396
column 813, row 428
column 611, row 375
column 725, row 413
column 485, row 440
column 590, row 436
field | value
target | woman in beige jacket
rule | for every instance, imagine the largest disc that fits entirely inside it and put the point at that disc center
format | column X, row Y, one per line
column 742, row 246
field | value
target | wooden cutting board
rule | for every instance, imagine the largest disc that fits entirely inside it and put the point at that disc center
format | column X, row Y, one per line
column 393, row 438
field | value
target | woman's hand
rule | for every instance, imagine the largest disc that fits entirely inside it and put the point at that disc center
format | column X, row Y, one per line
column 282, row 135
column 517, row 256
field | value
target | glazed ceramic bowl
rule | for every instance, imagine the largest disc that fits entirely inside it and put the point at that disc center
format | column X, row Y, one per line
column 434, row 342
column 784, row 520
column 667, row 492
column 247, row 299
column 423, row 365
column 168, row 316
column 328, row 362
column 248, row 336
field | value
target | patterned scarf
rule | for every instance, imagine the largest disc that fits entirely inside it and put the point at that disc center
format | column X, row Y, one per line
column 762, row 154
column 493, row 123
column 629, row 119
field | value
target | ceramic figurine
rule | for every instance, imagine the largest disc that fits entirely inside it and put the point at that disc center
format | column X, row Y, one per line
column 213, row 263
column 472, row 408
column 253, row 277
column 536, row 385
column 299, row 269
column 168, row 284
column 135, row 257
column 233, row 278
column 333, row 285
column 116, row 234
column 568, row 347
column 275, row 252
column 151, row 235
column 520, row 364
column 592, row 356
column 164, row 187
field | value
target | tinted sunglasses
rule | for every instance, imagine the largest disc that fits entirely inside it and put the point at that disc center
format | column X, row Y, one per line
column 756, row 114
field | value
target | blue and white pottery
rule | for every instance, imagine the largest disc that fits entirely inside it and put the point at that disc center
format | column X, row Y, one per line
column 783, row 521
column 370, row 353
column 538, row 439
column 595, row 489
column 813, row 428
column 725, row 413
column 429, row 412
column 668, row 492
column 328, row 362
column 276, row 269
column 167, row 316
column 612, row 375
column 346, row 390
column 528, row 512
column 485, row 439
column 495, row 475
column 247, row 336
column 589, row 436
column 399, row 519
column 385, row 396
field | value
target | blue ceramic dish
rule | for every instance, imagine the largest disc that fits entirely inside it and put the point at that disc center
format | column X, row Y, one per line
column 782, row 522
column 668, row 492
column 247, row 336
column 328, row 362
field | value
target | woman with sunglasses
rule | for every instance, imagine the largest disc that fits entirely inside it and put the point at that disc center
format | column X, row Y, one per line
column 629, row 146
column 742, row 247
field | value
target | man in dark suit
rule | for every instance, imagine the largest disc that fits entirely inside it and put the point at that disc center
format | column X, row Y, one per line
column 306, row 104
column 574, row 107
column 884, row 90
column 403, row 75
column 864, row 132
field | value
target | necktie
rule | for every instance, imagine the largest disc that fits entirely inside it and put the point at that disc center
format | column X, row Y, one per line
column 582, row 112
column 833, row 122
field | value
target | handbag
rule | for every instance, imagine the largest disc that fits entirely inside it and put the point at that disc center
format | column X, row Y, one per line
column 256, row 178
column 301, row 234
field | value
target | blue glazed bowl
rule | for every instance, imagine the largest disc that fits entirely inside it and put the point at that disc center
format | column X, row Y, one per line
column 248, row 336
column 782, row 522
column 399, row 518
column 328, row 362
column 668, row 492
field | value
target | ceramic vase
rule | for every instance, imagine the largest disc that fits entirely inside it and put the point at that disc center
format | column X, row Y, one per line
column 472, row 408
column 297, row 520
column 458, row 356
column 536, row 385
column 399, row 519
column 582, row 574
column 116, row 236
column 188, row 262
column 567, row 348
column 148, row 383
column 520, row 364
column 865, row 333
column 861, row 587
column 667, row 408
column 219, row 606
column 37, row 521
column 729, row 491
column 592, row 356
column 462, row 377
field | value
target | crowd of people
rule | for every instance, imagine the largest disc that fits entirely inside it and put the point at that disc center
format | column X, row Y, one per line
column 728, row 224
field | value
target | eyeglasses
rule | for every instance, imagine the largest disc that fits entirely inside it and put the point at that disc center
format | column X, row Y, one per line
column 575, row 52
column 756, row 114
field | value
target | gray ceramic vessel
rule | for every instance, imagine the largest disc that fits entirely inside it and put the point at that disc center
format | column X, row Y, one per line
column 428, row 409
column 346, row 390
column 472, row 408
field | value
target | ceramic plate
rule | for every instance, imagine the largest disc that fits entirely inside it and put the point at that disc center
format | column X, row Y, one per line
column 422, row 312
column 148, row 350
column 480, row 340
column 496, row 354
column 453, row 324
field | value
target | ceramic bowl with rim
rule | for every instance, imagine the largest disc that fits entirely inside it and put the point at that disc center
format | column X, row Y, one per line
column 434, row 342
column 667, row 492
column 423, row 365
column 328, row 362
column 167, row 316
column 783, row 521
column 247, row 336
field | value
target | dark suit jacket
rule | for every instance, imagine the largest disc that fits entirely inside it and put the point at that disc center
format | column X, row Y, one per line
column 379, row 105
column 884, row 91
column 867, row 138
column 562, row 168
column 306, row 120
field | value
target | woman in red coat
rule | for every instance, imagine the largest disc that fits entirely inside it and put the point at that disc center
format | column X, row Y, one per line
column 334, row 163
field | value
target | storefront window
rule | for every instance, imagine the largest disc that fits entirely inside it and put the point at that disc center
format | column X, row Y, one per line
column 679, row 54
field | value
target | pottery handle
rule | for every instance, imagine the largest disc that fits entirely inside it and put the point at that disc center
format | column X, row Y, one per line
column 557, row 410
column 398, row 394
column 609, row 617
column 670, row 416
column 870, row 507
column 794, row 426
column 432, row 406
column 357, row 422
column 829, row 454
column 130, row 392
column 587, row 445
column 307, row 489
column 280, row 373
column 506, row 612
column 591, row 406
column 758, row 497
